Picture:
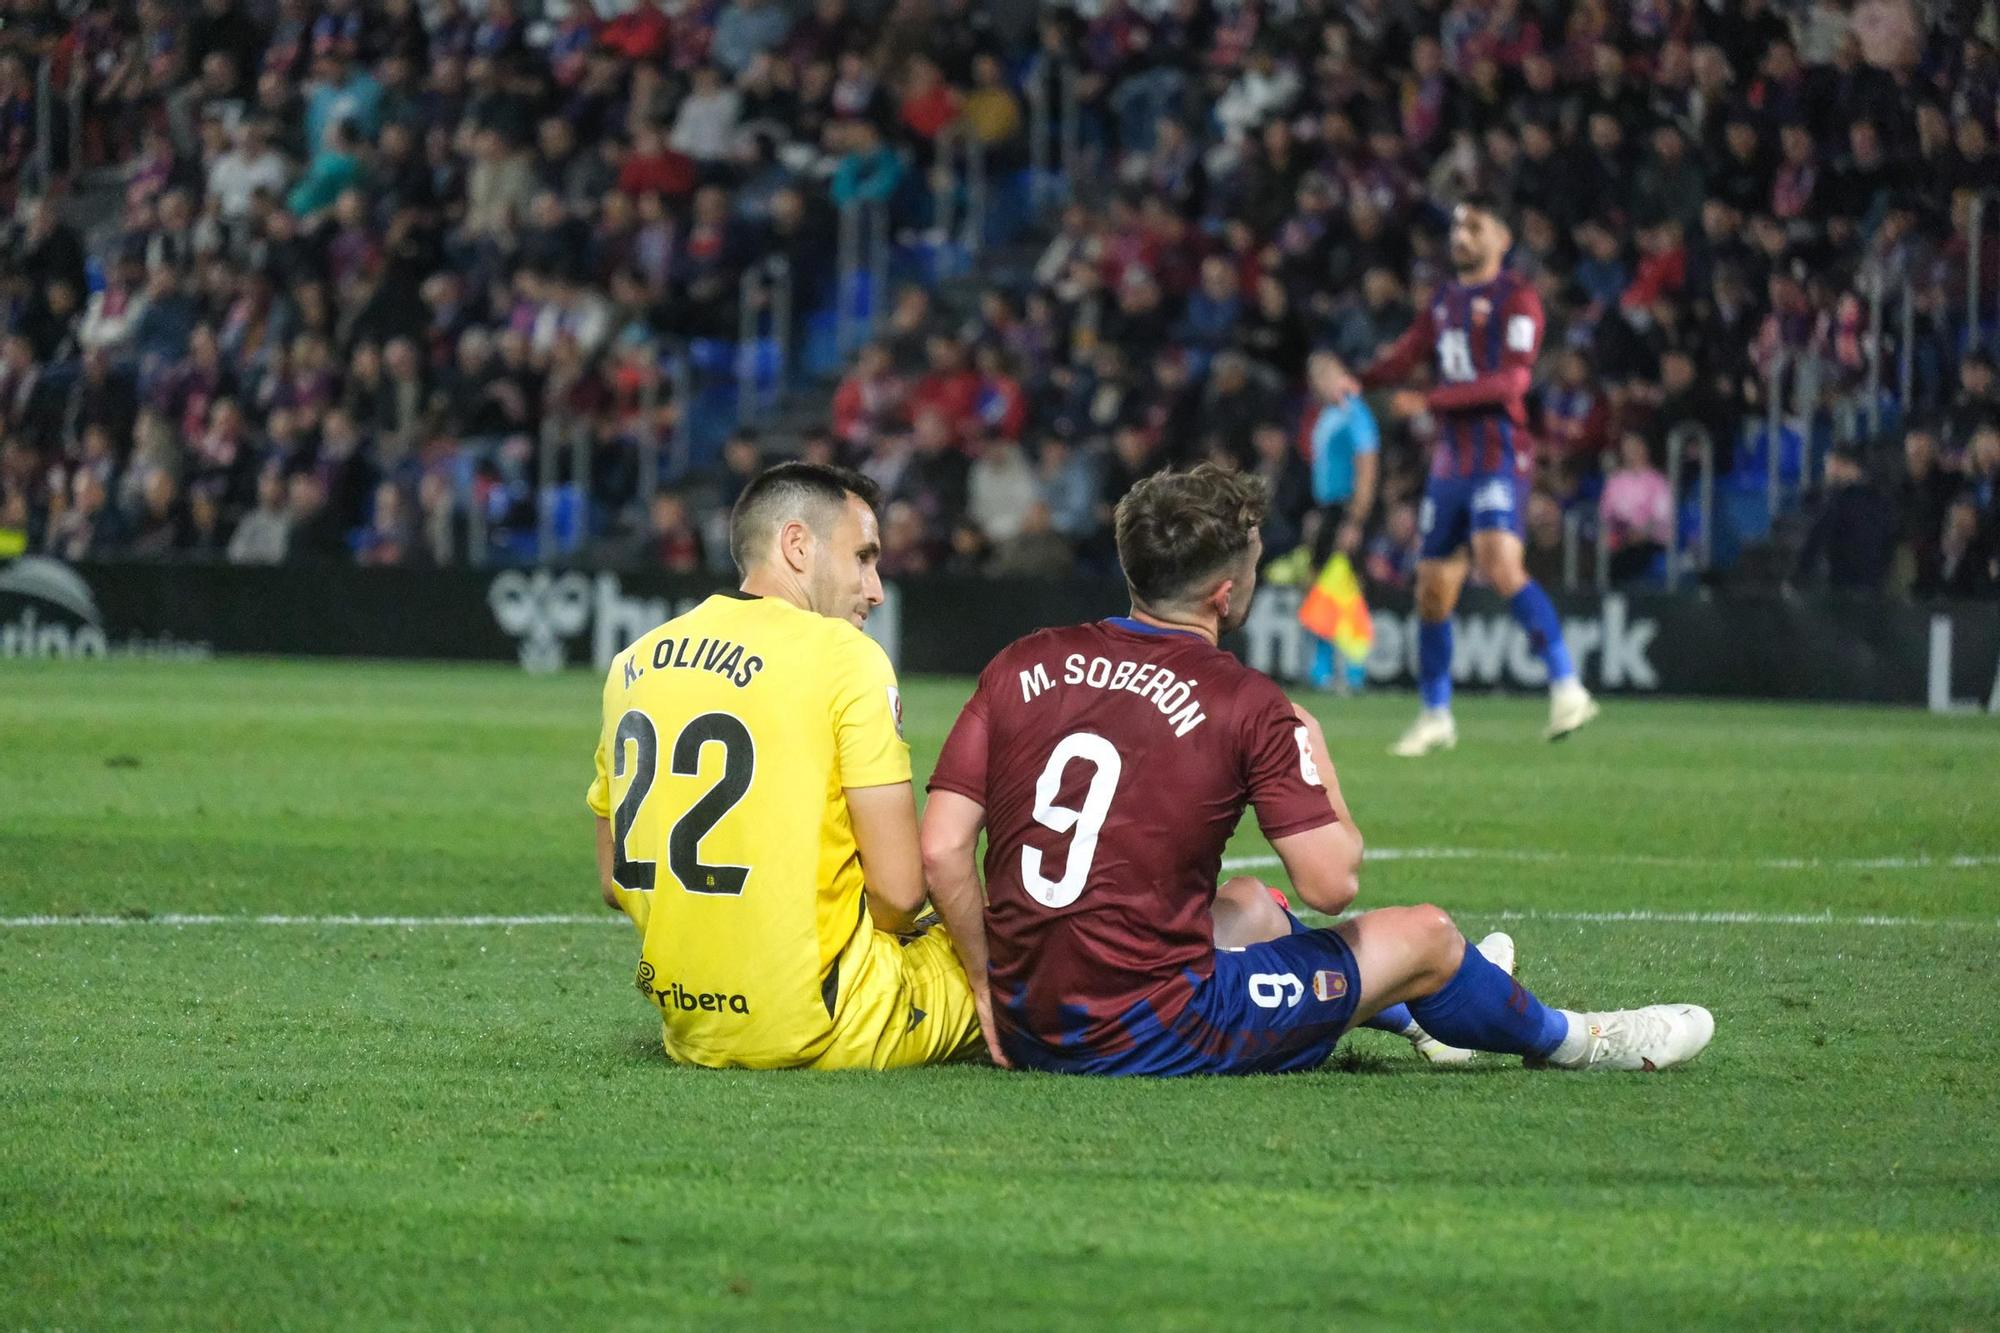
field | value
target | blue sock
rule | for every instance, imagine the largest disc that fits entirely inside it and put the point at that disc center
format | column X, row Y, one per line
column 1483, row 1009
column 1535, row 613
column 1434, row 663
column 1396, row 1018
column 1322, row 667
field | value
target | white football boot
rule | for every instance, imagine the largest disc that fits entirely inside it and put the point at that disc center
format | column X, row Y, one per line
column 1433, row 730
column 1570, row 707
column 1658, row 1036
column 1497, row 949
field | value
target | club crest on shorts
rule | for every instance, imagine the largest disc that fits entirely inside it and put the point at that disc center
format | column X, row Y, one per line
column 1329, row 985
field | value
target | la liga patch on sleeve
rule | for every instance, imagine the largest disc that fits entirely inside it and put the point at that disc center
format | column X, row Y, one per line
column 896, row 708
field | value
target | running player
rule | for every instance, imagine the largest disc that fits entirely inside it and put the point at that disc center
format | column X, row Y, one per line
column 1482, row 332
column 751, row 765
column 1109, row 763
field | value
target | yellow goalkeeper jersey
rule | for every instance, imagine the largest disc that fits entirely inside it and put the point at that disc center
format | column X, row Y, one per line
column 728, row 736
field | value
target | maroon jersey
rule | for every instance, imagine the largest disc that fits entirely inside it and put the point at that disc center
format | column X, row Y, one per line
column 1114, row 761
column 1482, row 341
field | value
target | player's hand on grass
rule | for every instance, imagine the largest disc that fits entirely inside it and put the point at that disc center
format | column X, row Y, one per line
column 983, row 1001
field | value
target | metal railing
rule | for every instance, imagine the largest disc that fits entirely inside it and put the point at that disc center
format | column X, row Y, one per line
column 1035, row 91
column 74, row 95
column 1055, row 122
column 958, row 201
column 1678, row 440
column 1975, row 226
column 1580, row 526
column 648, row 479
column 45, row 123
column 1803, row 371
column 763, row 321
column 1070, row 127
column 861, row 269
column 561, row 432
column 1880, row 296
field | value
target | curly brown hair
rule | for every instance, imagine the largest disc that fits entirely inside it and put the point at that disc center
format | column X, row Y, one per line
column 1177, row 530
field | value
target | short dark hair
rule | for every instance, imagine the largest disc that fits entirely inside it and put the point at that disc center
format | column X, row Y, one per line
column 787, row 491
column 1489, row 203
column 1177, row 529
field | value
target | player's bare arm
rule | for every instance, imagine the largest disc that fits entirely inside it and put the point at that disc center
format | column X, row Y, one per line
column 606, row 853
column 950, row 843
column 1367, row 471
column 1324, row 865
column 885, row 832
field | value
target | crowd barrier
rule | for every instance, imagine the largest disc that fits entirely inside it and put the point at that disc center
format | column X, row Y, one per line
column 1771, row 647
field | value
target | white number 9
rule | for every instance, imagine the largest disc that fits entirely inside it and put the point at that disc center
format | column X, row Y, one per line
column 1087, row 822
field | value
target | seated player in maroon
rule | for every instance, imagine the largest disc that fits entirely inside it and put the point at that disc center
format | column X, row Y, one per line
column 1110, row 763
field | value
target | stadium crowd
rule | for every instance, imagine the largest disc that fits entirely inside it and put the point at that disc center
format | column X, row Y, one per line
column 365, row 247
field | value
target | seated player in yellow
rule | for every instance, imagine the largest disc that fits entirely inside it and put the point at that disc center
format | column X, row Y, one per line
column 751, row 765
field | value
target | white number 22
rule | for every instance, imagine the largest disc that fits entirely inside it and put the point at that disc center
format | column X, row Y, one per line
column 1087, row 822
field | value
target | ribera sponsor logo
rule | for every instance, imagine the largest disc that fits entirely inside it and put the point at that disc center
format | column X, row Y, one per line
column 47, row 610
column 673, row 995
column 1612, row 649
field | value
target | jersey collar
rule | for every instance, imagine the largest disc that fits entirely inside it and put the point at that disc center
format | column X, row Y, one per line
column 1141, row 627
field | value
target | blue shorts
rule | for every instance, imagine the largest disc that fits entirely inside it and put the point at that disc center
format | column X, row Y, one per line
column 1273, row 1008
column 1456, row 507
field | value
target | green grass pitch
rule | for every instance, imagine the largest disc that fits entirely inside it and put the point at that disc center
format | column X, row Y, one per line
column 244, row 1125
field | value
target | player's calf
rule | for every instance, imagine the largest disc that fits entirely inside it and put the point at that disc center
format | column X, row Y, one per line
column 1463, row 999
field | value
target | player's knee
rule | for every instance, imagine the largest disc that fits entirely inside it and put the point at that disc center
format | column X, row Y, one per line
column 1500, row 564
column 1433, row 600
column 1255, row 914
column 1439, row 942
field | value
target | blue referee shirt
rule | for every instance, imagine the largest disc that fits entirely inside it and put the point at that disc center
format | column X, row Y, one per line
column 1342, row 432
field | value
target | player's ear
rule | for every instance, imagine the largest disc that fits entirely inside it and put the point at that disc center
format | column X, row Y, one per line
column 1219, row 600
column 795, row 540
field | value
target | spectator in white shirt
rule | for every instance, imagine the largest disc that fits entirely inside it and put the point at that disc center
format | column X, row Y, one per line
column 705, row 125
column 252, row 165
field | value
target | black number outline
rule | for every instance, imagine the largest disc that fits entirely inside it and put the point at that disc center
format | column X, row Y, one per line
column 630, row 875
column 684, row 843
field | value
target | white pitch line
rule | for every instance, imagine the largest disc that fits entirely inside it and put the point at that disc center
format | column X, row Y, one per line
column 1231, row 863
column 1638, row 917
column 1972, row 862
column 203, row 919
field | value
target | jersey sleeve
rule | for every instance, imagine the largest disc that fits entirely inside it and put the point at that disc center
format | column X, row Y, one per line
column 867, row 715
column 598, row 795
column 961, row 766
column 1283, row 781
column 1417, row 342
